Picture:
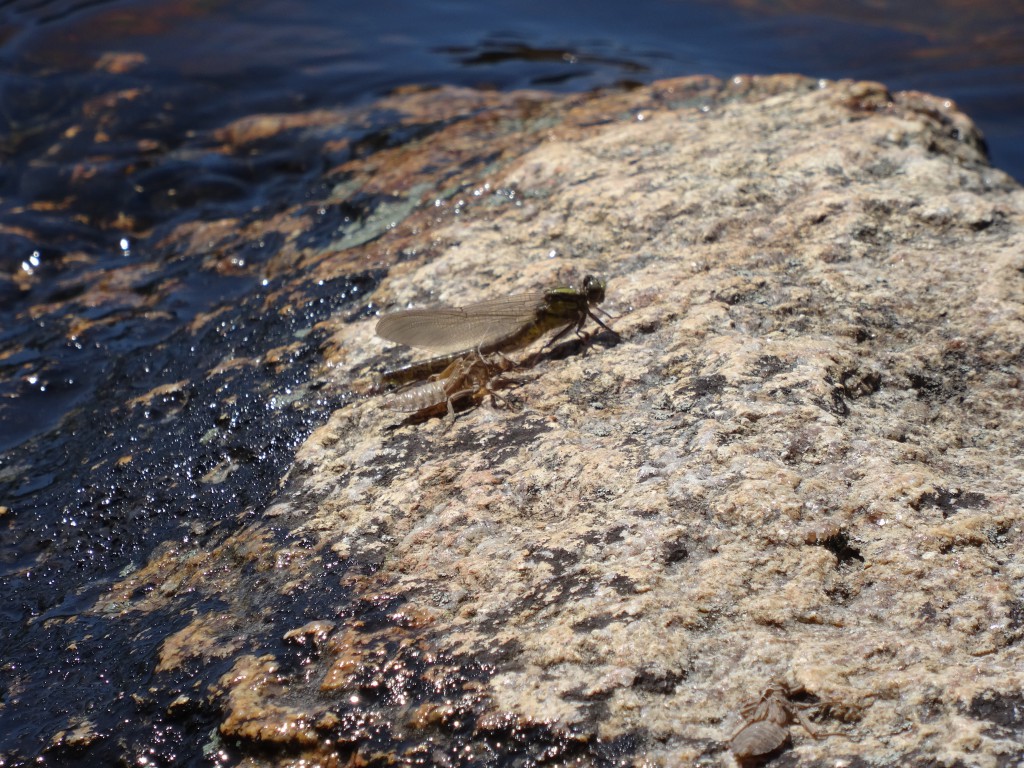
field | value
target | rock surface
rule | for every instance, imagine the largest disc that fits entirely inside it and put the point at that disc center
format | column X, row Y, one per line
column 801, row 462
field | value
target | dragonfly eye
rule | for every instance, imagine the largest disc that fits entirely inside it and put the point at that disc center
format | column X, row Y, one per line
column 593, row 288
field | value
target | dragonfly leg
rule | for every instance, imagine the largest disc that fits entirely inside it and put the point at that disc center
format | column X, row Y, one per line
column 562, row 333
column 598, row 320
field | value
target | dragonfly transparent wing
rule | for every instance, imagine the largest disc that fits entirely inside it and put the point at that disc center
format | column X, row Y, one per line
column 450, row 329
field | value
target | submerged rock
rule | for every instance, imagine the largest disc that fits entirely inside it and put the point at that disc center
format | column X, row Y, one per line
column 801, row 461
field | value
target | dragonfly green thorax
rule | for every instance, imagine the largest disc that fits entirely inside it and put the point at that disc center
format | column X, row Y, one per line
column 573, row 305
column 496, row 325
column 592, row 290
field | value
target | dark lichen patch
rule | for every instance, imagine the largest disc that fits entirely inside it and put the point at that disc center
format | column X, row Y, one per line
column 504, row 655
column 949, row 502
column 676, row 551
column 1015, row 621
column 518, row 432
column 623, row 585
column 581, row 694
column 927, row 611
column 835, row 403
column 408, row 448
column 609, row 536
column 557, row 558
column 926, row 385
column 597, row 621
column 839, row 545
column 839, row 593
column 656, row 680
column 768, row 366
column 948, row 381
column 592, row 705
column 705, row 386
column 1005, row 712
column 553, row 591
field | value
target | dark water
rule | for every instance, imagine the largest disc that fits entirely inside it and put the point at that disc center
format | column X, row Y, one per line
column 84, row 192
column 214, row 60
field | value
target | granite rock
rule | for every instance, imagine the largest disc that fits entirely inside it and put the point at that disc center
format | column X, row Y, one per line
column 800, row 462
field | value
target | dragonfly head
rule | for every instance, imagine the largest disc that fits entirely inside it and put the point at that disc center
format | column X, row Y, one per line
column 593, row 288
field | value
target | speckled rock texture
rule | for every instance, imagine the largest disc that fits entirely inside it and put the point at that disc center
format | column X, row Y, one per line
column 801, row 462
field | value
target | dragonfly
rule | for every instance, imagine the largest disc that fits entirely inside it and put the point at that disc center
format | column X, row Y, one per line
column 495, row 325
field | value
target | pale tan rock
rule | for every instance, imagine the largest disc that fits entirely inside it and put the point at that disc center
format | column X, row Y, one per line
column 803, row 461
